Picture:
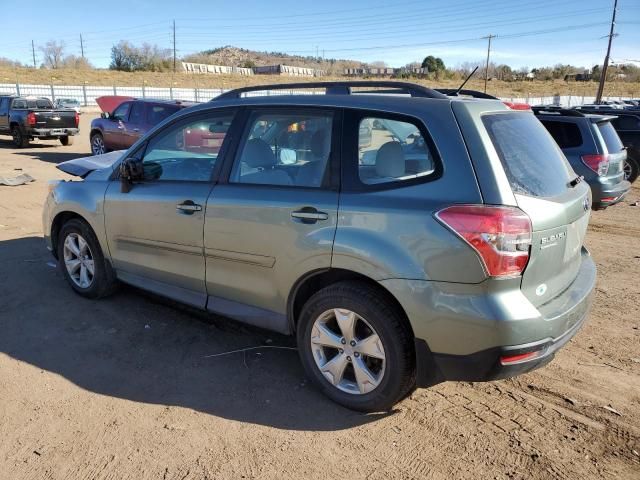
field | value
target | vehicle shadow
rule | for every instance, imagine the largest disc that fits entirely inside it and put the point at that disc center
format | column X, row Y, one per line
column 51, row 156
column 137, row 347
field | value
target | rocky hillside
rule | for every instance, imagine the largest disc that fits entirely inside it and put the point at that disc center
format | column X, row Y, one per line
column 240, row 57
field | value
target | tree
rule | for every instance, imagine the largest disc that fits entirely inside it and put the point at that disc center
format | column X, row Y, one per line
column 52, row 53
column 75, row 62
column 504, row 72
column 433, row 64
column 129, row 58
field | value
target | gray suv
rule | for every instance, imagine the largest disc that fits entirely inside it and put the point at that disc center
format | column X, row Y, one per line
column 446, row 245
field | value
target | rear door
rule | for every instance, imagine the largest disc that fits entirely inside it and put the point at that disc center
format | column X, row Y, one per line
column 275, row 218
column 540, row 179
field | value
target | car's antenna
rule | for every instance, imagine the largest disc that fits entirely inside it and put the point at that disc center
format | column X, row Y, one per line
column 465, row 81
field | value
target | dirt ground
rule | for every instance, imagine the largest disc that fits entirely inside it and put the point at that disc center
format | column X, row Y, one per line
column 120, row 389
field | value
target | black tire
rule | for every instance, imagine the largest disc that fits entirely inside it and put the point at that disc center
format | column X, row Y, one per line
column 66, row 140
column 19, row 139
column 104, row 281
column 393, row 330
column 631, row 169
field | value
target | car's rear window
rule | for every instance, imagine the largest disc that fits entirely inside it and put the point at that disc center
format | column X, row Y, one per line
column 532, row 161
column 566, row 135
column 610, row 137
column 39, row 103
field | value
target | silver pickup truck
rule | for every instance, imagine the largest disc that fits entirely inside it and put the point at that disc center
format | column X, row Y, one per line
column 26, row 118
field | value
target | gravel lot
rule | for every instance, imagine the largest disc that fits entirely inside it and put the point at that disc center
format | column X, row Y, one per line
column 120, row 388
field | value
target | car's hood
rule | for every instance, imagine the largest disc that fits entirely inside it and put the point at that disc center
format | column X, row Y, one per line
column 81, row 167
column 109, row 103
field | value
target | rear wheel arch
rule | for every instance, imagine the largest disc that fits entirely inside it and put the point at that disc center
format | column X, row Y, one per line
column 315, row 281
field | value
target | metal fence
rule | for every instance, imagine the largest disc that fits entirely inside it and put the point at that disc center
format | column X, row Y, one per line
column 87, row 95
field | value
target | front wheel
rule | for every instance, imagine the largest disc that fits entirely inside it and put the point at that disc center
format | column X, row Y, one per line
column 66, row 140
column 97, row 144
column 357, row 347
column 81, row 261
column 631, row 169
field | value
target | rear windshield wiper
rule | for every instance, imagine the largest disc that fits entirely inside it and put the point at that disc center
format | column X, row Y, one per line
column 576, row 181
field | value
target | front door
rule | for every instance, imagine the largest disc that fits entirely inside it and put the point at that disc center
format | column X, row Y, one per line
column 275, row 218
column 155, row 231
column 114, row 127
column 132, row 130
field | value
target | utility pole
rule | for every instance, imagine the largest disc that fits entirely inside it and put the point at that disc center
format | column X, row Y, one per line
column 81, row 46
column 603, row 74
column 33, row 52
column 486, row 68
column 174, row 46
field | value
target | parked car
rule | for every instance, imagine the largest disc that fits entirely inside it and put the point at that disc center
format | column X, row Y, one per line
column 627, row 125
column 26, row 118
column 593, row 149
column 71, row 103
column 129, row 120
column 464, row 262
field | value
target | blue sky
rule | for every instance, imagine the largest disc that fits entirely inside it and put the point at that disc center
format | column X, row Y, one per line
column 529, row 32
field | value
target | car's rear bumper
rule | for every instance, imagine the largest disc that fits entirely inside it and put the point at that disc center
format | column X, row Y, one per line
column 606, row 195
column 467, row 336
column 53, row 132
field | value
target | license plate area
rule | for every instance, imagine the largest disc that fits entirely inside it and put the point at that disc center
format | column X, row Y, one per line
column 57, row 131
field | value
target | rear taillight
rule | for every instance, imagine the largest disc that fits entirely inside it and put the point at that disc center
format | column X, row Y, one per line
column 597, row 163
column 519, row 358
column 77, row 119
column 500, row 235
column 31, row 119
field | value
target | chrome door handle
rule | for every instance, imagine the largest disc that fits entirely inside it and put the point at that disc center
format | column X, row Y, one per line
column 189, row 207
column 309, row 215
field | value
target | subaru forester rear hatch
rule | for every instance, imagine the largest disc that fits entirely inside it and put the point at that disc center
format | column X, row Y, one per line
column 547, row 191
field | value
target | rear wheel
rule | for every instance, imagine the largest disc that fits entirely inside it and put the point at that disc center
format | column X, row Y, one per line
column 66, row 140
column 357, row 347
column 19, row 139
column 97, row 144
column 81, row 261
column 631, row 169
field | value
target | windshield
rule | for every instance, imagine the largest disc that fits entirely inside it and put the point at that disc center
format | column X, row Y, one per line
column 532, row 160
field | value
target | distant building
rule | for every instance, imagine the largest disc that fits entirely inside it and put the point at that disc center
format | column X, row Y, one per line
column 383, row 72
column 215, row 69
column 578, row 77
column 288, row 70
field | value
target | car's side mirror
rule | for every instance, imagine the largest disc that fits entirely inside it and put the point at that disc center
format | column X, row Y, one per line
column 131, row 170
column 104, row 115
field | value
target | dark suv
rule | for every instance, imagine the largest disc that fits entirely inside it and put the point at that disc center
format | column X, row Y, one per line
column 593, row 149
column 443, row 241
column 130, row 120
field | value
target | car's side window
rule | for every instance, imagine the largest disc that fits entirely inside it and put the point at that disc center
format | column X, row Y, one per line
column 137, row 113
column 289, row 148
column 391, row 151
column 187, row 151
column 122, row 112
column 566, row 135
column 157, row 113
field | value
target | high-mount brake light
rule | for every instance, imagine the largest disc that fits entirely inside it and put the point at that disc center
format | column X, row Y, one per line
column 500, row 235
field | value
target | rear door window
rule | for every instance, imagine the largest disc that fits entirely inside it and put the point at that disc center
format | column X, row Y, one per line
column 566, row 135
column 610, row 137
column 532, row 161
column 158, row 113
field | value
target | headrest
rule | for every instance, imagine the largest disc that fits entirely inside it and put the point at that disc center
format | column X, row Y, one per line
column 257, row 153
column 390, row 160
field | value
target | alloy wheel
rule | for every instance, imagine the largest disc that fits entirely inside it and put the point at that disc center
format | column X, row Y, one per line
column 97, row 145
column 348, row 351
column 627, row 170
column 78, row 260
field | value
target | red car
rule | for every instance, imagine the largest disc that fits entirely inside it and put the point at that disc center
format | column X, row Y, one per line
column 125, row 119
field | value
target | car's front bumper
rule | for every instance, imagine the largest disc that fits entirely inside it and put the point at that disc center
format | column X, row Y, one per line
column 466, row 336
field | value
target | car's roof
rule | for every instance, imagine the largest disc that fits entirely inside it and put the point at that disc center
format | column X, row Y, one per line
column 164, row 101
